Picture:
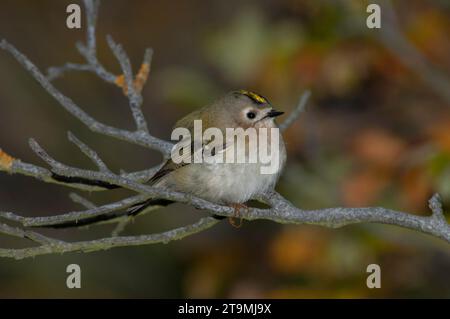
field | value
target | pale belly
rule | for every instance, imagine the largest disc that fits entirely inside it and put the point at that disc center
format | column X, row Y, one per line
column 222, row 182
column 231, row 183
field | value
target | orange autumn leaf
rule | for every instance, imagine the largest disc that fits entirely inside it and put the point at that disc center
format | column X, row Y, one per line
column 138, row 82
column 6, row 161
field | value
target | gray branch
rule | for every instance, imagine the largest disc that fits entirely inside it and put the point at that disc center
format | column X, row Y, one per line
column 55, row 72
column 135, row 137
column 78, row 199
column 280, row 209
column 110, row 242
column 45, row 175
column 89, row 152
column 134, row 97
column 295, row 114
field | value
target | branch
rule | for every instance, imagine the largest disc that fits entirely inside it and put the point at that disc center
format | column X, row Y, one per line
column 284, row 212
column 135, row 137
column 28, row 234
column 56, row 72
column 88, row 50
column 15, row 166
column 111, row 242
column 90, row 153
column 82, row 201
column 280, row 209
column 295, row 114
column 134, row 97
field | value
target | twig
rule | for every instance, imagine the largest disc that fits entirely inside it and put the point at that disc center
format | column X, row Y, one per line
column 295, row 114
column 28, row 234
column 90, row 153
column 120, row 227
column 16, row 166
column 94, row 125
column 82, row 201
column 74, row 216
column 55, row 72
column 91, row 17
column 111, row 242
column 134, row 97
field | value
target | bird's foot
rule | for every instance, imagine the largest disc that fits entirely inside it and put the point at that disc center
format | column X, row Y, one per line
column 237, row 214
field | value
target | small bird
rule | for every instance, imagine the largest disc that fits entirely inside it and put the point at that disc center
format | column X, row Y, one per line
column 224, row 183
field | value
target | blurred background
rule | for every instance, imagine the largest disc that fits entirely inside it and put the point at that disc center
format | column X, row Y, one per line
column 376, row 132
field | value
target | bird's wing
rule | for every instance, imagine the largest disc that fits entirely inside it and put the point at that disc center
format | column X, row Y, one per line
column 211, row 147
column 168, row 167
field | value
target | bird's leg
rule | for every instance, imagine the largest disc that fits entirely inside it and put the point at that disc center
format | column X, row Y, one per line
column 237, row 207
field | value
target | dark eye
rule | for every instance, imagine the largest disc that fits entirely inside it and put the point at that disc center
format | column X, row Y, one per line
column 251, row 115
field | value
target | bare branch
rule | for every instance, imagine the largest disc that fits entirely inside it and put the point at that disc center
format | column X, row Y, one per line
column 93, row 156
column 111, row 242
column 31, row 235
column 134, row 97
column 95, row 65
column 74, row 216
column 282, row 211
column 91, row 17
column 120, row 227
column 132, row 137
column 88, row 51
column 295, row 114
column 45, row 175
column 285, row 212
column 82, row 201
column 55, row 72
column 16, row 166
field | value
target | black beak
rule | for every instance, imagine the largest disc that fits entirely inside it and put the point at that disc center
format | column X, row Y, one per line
column 274, row 113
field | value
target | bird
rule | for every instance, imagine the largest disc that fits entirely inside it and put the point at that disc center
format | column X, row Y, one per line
column 220, row 182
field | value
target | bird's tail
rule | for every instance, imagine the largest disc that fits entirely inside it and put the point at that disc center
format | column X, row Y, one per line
column 131, row 212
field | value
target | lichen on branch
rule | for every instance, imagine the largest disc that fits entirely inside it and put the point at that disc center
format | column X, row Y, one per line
column 6, row 161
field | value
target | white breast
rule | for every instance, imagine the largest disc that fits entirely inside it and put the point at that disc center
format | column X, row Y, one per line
column 225, row 182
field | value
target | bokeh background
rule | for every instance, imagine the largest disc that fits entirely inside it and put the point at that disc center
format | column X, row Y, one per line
column 376, row 132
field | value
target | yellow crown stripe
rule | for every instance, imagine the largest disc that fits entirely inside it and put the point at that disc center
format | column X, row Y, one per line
column 256, row 97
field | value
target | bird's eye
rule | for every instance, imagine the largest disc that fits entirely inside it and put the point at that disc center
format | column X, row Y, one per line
column 251, row 115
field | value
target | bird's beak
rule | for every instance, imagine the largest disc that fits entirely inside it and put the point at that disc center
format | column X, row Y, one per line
column 274, row 113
